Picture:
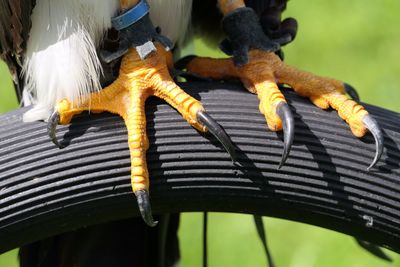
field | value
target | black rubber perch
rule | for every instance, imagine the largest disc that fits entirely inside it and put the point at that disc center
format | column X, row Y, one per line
column 46, row 191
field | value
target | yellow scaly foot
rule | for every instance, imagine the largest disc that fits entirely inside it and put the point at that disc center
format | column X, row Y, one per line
column 261, row 75
column 255, row 63
column 126, row 96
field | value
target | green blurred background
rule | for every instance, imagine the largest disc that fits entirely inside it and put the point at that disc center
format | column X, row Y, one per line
column 357, row 41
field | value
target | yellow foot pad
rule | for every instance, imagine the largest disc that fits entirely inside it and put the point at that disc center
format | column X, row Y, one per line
column 262, row 74
column 126, row 96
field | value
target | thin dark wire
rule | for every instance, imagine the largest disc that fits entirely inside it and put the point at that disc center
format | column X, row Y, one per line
column 205, row 224
column 263, row 237
column 162, row 239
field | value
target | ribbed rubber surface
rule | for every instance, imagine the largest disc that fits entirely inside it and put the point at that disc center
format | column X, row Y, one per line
column 45, row 191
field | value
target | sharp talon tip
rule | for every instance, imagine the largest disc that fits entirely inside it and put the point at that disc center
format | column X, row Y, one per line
column 286, row 115
column 52, row 123
column 143, row 201
column 216, row 130
column 281, row 163
column 351, row 91
column 372, row 125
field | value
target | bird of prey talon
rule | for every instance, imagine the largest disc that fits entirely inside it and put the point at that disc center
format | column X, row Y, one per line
column 101, row 56
column 57, row 51
column 261, row 70
column 126, row 97
column 262, row 74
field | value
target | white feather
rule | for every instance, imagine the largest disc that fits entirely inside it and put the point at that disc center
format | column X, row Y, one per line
column 171, row 16
column 61, row 60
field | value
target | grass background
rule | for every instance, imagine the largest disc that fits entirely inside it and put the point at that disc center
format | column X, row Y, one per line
column 356, row 41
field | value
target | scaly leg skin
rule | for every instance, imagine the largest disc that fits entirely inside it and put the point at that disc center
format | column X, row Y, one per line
column 262, row 74
column 139, row 79
column 260, row 70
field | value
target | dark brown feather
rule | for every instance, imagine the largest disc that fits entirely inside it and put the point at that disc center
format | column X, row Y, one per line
column 206, row 18
column 15, row 24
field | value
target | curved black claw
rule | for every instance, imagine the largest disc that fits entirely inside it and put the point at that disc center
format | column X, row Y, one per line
column 352, row 92
column 143, row 201
column 52, row 123
column 286, row 115
column 372, row 125
column 216, row 130
column 183, row 62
